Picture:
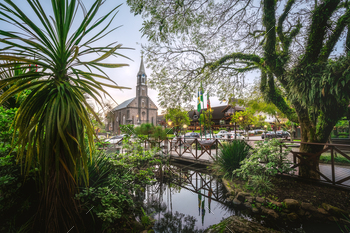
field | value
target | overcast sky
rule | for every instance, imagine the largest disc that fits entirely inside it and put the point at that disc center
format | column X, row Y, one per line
column 128, row 35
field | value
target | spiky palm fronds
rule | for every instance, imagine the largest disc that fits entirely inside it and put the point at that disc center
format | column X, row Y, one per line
column 54, row 118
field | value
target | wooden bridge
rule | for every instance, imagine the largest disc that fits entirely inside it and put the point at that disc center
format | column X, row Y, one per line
column 204, row 152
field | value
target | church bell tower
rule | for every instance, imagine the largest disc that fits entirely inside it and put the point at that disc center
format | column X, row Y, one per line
column 142, row 95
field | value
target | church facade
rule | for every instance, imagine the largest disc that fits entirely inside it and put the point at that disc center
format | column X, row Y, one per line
column 137, row 110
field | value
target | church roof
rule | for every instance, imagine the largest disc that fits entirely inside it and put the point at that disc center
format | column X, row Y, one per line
column 142, row 68
column 124, row 104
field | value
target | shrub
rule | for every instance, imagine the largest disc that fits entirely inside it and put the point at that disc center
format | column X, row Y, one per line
column 113, row 185
column 260, row 183
column 266, row 160
column 230, row 156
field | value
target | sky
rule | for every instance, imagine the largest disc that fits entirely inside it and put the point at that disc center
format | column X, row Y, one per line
column 128, row 35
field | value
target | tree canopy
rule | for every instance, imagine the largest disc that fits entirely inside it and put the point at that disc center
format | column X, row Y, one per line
column 291, row 43
column 178, row 118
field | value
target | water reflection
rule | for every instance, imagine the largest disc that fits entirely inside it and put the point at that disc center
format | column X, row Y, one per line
column 188, row 200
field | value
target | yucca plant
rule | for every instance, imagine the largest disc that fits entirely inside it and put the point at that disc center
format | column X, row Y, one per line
column 230, row 156
column 54, row 118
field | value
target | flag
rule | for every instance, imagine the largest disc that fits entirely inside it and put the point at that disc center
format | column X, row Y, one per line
column 208, row 103
column 202, row 94
column 199, row 103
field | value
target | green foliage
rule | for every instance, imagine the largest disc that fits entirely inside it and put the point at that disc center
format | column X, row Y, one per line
column 266, row 160
column 178, row 117
column 206, row 119
column 337, row 159
column 6, row 130
column 54, row 118
column 18, row 196
column 151, row 131
column 230, row 156
column 245, row 118
column 113, row 182
column 260, row 183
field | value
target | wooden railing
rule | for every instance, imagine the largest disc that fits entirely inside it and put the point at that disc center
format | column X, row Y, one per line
column 336, row 175
column 207, row 150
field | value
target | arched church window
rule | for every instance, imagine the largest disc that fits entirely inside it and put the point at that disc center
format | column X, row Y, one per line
column 143, row 91
column 117, row 121
column 143, row 78
column 124, row 120
column 143, row 103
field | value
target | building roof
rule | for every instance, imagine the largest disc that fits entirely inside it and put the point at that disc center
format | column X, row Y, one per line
column 124, row 104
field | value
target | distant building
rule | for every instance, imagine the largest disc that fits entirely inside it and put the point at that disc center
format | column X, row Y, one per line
column 137, row 110
column 221, row 116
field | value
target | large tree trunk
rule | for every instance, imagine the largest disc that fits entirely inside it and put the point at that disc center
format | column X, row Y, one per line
column 312, row 133
column 308, row 169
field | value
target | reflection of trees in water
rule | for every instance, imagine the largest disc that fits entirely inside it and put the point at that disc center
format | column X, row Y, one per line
column 176, row 223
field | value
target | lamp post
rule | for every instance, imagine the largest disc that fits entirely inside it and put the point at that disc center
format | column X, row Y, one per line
column 241, row 119
column 265, row 126
column 185, row 127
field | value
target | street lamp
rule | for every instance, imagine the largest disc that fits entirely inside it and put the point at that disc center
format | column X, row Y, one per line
column 185, row 127
column 240, row 118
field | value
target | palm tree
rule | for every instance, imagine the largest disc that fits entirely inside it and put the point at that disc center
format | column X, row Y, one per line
column 53, row 120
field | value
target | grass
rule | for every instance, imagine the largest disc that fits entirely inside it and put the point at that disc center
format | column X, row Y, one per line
column 326, row 157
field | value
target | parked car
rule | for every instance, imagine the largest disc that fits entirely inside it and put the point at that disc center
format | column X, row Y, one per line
column 269, row 134
column 257, row 131
column 115, row 139
column 238, row 136
column 282, row 134
column 221, row 133
column 191, row 135
column 211, row 136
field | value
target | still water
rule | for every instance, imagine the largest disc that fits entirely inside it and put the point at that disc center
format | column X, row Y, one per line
column 188, row 199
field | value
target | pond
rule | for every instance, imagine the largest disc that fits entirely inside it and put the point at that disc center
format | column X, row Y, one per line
column 188, row 199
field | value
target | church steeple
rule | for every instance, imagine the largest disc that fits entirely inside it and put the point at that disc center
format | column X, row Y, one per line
column 141, row 89
column 141, row 75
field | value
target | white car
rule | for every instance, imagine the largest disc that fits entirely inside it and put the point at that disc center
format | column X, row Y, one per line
column 115, row 139
column 221, row 133
column 232, row 136
column 210, row 136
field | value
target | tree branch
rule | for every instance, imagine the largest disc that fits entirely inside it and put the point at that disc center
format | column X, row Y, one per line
column 269, row 21
column 281, row 20
column 320, row 17
column 273, row 95
column 329, row 46
column 245, row 57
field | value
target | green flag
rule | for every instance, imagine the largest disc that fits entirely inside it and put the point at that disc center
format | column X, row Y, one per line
column 202, row 93
column 198, row 103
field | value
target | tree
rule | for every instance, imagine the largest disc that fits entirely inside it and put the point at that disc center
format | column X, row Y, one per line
column 53, row 120
column 245, row 119
column 206, row 119
column 220, row 41
column 178, row 118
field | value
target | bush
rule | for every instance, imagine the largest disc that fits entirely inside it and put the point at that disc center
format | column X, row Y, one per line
column 260, row 183
column 266, row 160
column 230, row 156
column 113, row 185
